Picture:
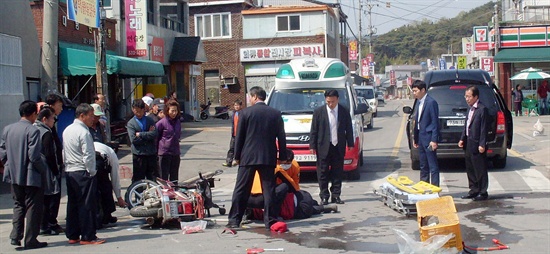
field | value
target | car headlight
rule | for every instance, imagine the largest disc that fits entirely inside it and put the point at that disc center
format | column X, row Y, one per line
column 371, row 103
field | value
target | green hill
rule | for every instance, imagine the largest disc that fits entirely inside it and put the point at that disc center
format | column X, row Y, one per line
column 412, row 44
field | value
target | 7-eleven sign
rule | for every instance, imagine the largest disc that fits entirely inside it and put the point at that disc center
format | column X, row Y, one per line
column 481, row 38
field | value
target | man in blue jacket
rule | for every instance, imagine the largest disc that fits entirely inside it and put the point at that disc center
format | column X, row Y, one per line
column 426, row 133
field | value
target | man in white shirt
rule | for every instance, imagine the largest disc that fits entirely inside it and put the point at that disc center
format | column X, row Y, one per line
column 80, row 167
column 108, row 182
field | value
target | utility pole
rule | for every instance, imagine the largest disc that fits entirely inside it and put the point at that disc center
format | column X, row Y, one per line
column 371, row 28
column 49, row 47
column 359, row 70
column 101, row 69
column 497, row 45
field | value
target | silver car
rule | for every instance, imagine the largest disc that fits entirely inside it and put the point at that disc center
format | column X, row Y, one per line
column 368, row 117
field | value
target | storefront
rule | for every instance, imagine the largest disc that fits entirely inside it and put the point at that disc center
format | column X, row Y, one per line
column 522, row 48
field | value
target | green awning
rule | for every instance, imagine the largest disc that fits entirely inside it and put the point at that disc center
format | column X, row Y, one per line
column 78, row 60
column 522, row 55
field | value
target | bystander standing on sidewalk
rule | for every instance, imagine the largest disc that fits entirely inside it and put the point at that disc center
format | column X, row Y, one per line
column 79, row 154
column 518, row 99
column 143, row 136
column 237, row 105
column 169, row 133
column 542, row 92
column 20, row 153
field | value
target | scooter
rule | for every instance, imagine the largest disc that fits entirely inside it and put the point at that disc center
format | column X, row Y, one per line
column 162, row 202
column 221, row 112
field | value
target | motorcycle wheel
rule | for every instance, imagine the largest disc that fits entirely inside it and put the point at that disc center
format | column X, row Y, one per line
column 134, row 193
column 204, row 116
column 142, row 211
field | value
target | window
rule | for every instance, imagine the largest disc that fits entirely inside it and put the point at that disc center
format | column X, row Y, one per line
column 151, row 12
column 288, row 23
column 106, row 3
column 213, row 25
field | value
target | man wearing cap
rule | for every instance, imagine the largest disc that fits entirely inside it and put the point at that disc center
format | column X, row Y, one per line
column 156, row 108
column 98, row 130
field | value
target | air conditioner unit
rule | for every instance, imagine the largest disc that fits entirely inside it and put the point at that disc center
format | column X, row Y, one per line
column 230, row 81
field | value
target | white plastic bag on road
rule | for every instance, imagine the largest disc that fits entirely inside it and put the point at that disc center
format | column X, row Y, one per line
column 193, row 226
column 434, row 244
column 539, row 129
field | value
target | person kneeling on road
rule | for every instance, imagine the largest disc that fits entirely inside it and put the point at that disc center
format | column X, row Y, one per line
column 290, row 201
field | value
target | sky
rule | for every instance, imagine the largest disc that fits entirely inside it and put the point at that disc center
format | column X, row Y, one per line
column 402, row 12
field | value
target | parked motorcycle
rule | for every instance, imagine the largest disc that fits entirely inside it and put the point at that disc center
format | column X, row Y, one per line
column 161, row 201
column 221, row 112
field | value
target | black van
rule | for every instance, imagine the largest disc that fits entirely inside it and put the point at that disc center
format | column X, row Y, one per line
column 447, row 87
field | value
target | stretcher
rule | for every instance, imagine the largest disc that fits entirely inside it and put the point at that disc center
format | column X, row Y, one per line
column 401, row 193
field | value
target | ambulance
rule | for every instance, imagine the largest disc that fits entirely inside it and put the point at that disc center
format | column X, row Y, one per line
column 299, row 89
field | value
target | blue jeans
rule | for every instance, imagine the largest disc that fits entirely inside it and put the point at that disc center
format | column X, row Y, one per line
column 543, row 107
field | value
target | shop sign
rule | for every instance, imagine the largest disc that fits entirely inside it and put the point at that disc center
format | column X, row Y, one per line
column 136, row 27
column 365, row 68
column 157, row 49
column 486, row 64
column 481, row 40
column 85, row 12
column 281, row 52
column 353, row 50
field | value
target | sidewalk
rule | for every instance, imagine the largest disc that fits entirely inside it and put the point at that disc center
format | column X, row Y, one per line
column 534, row 148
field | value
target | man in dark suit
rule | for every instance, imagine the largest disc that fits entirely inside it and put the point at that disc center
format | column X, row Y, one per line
column 143, row 136
column 426, row 133
column 474, row 143
column 20, row 153
column 331, row 130
column 259, row 129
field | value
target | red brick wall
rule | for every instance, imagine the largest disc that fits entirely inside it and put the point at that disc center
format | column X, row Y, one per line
column 69, row 33
column 223, row 54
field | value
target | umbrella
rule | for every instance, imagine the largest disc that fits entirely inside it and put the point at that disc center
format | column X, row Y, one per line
column 531, row 73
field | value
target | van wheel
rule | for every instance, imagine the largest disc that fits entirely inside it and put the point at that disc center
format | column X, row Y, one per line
column 415, row 164
column 500, row 162
column 354, row 174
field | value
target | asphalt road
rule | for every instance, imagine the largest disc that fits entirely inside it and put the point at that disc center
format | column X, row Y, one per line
column 517, row 213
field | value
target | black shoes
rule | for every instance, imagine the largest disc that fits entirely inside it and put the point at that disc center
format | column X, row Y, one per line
column 469, row 196
column 481, row 198
column 337, row 200
column 112, row 219
column 324, row 201
column 15, row 242
column 36, row 245
column 232, row 225
column 49, row 231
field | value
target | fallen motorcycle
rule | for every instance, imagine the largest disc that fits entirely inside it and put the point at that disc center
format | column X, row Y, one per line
column 161, row 202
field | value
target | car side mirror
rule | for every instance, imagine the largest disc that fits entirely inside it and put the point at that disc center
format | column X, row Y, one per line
column 361, row 108
column 407, row 110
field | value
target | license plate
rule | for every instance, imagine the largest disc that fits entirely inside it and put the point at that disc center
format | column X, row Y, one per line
column 305, row 157
column 455, row 122
column 173, row 209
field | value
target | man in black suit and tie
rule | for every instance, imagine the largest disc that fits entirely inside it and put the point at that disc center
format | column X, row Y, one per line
column 259, row 129
column 474, row 143
column 331, row 130
column 426, row 133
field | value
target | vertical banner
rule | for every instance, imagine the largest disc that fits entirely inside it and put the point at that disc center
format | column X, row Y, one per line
column 136, row 27
column 462, row 62
column 157, row 49
column 353, row 50
column 85, row 12
column 486, row 64
column 393, row 81
column 364, row 67
column 481, row 38
column 467, row 45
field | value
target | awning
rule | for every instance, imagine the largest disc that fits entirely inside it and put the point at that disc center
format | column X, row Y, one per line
column 522, row 55
column 188, row 49
column 78, row 60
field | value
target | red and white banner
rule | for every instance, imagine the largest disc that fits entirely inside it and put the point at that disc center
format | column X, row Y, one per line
column 157, row 49
column 136, row 27
column 364, row 67
column 353, row 50
column 486, row 63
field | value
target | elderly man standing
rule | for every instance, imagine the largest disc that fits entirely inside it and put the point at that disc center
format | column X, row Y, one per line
column 20, row 152
column 80, row 166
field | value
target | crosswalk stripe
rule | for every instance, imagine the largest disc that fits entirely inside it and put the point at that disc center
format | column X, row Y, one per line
column 443, row 184
column 494, row 185
column 535, row 179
